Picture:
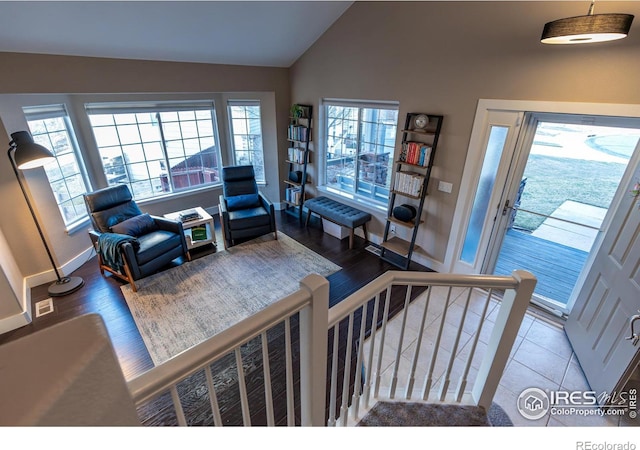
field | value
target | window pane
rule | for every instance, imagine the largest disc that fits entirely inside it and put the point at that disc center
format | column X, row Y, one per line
column 171, row 130
column 153, row 151
column 149, row 132
column 359, row 150
column 189, row 129
column 246, row 130
column 106, row 136
column 65, row 173
column 125, row 118
column 137, row 154
column 133, row 153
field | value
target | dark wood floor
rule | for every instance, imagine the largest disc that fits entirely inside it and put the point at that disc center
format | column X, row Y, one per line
column 102, row 294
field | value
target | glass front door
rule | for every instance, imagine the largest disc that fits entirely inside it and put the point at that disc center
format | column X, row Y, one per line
column 570, row 173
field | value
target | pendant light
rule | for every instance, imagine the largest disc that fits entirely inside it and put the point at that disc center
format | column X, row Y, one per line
column 587, row 29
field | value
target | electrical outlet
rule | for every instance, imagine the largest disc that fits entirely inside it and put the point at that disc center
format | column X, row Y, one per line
column 392, row 228
column 445, row 187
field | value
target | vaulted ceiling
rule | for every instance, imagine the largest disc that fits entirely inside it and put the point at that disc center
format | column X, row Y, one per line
column 261, row 33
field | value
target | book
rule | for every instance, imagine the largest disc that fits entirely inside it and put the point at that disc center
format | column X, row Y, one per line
column 198, row 233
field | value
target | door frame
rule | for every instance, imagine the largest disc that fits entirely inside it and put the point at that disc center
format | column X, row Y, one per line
column 475, row 157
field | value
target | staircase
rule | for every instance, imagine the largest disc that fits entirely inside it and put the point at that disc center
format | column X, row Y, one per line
column 444, row 353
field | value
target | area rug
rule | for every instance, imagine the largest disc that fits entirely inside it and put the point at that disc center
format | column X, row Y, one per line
column 183, row 306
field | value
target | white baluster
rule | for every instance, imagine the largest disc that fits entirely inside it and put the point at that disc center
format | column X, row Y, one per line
column 355, row 400
column 291, row 420
column 416, row 353
column 334, row 378
column 347, row 374
column 175, row 398
column 383, row 330
column 463, row 378
column 213, row 398
column 244, row 402
column 372, row 341
column 428, row 381
column 446, row 378
column 268, row 395
column 396, row 366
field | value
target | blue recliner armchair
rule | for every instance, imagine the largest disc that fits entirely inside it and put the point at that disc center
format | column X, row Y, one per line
column 244, row 211
column 131, row 245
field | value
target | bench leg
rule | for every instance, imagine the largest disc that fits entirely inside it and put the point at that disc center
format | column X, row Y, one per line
column 306, row 222
column 350, row 238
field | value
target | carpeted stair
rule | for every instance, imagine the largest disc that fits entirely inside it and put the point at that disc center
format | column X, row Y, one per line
column 407, row 414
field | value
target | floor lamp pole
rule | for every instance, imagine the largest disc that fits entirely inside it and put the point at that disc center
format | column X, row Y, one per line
column 63, row 285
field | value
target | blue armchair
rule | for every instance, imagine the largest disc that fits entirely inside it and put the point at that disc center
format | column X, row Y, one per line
column 131, row 245
column 244, row 211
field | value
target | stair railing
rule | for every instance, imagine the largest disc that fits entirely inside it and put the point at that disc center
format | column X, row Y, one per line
column 367, row 359
column 439, row 339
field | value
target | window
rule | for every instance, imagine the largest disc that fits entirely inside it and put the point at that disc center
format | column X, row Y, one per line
column 157, row 148
column 359, row 147
column 50, row 127
column 246, row 135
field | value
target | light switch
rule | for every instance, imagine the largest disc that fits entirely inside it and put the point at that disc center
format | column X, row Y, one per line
column 445, row 187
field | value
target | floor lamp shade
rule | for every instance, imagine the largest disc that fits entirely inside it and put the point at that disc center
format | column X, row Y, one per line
column 23, row 154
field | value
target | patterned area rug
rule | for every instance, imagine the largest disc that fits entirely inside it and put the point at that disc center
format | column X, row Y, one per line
column 183, row 306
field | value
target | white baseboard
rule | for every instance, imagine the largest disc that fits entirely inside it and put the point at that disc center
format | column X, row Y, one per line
column 417, row 257
column 68, row 268
column 22, row 318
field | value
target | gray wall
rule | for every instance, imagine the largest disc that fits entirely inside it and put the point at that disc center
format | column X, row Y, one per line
column 441, row 57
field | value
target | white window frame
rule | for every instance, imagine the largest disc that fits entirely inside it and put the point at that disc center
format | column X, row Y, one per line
column 164, row 145
column 380, row 204
column 66, row 195
column 233, row 133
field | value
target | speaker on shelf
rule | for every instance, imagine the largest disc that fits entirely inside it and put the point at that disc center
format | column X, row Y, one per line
column 295, row 176
column 405, row 213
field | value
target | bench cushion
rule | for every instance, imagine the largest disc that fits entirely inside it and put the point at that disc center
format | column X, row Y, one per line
column 337, row 212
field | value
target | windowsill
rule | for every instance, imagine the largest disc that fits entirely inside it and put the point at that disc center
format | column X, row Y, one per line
column 81, row 224
column 353, row 200
column 162, row 198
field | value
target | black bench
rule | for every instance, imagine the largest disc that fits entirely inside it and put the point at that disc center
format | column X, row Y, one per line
column 338, row 213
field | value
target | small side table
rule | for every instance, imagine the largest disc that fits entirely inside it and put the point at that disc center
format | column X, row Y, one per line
column 204, row 222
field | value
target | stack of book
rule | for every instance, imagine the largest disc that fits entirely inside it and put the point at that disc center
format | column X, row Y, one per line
column 189, row 215
column 297, row 155
column 408, row 183
column 417, row 153
column 293, row 195
column 298, row 133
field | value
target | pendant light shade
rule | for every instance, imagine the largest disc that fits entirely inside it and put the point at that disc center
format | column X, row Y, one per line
column 586, row 29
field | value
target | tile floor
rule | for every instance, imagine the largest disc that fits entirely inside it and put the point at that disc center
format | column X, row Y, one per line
column 541, row 357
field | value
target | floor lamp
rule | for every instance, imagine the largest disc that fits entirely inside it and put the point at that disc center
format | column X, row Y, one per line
column 26, row 154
